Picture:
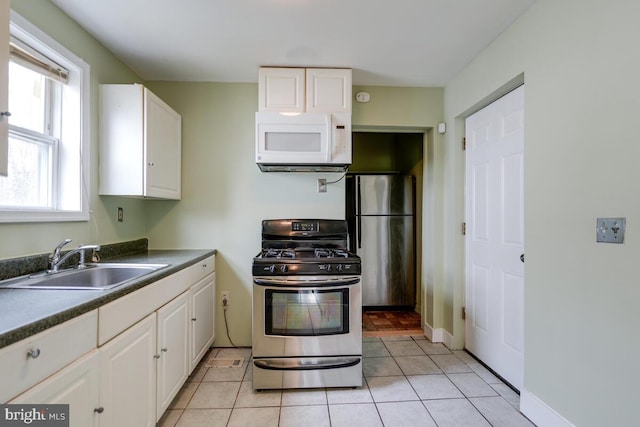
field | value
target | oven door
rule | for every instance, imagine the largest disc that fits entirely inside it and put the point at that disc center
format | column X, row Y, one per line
column 298, row 316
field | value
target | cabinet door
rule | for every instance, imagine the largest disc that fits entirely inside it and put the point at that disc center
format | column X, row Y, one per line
column 173, row 348
column 128, row 377
column 328, row 90
column 203, row 305
column 4, row 85
column 281, row 90
column 163, row 134
column 76, row 385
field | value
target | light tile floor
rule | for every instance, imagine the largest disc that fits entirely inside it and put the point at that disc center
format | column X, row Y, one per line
column 409, row 381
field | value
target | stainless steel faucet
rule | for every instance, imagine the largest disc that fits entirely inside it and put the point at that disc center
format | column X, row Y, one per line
column 55, row 260
column 54, row 257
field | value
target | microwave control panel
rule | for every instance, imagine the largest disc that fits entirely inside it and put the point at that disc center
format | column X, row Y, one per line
column 341, row 130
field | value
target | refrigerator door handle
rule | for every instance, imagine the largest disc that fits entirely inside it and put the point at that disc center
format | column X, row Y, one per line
column 358, row 213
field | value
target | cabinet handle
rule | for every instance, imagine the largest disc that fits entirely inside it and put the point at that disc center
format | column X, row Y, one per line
column 5, row 113
column 164, row 350
column 33, row 353
column 99, row 410
column 156, row 356
column 150, row 163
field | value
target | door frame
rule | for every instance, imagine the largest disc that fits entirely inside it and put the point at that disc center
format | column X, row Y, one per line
column 421, row 207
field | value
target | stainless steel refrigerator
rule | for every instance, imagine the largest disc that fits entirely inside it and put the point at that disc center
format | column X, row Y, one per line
column 381, row 217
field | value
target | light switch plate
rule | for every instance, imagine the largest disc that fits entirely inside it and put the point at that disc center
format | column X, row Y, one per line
column 610, row 230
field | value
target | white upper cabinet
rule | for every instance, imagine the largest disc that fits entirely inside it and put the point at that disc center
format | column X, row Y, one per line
column 297, row 90
column 281, row 90
column 140, row 144
column 4, row 86
column 328, row 90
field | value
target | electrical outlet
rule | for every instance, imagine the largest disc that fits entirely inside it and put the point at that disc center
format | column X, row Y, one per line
column 225, row 298
column 322, row 185
column 610, row 230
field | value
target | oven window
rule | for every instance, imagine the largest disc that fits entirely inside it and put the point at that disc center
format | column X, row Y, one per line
column 306, row 312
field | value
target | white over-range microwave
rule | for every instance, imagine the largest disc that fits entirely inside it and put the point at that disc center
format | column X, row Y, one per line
column 306, row 142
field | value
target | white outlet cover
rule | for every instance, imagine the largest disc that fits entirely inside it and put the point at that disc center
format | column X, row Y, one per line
column 610, row 230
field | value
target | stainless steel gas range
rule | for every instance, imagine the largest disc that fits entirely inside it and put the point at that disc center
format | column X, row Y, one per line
column 307, row 306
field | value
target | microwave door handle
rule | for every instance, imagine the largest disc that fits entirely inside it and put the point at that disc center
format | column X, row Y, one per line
column 358, row 214
column 329, row 137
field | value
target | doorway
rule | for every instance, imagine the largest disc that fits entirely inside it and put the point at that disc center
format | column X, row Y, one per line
column 494, row 238
column 400, row 151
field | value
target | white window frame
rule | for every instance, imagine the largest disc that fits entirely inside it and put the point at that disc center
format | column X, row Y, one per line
column 73, row 179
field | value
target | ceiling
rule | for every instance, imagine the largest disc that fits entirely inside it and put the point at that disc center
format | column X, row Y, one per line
column 386, row 42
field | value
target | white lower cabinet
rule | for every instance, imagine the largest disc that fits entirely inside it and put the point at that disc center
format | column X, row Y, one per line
column 202, row 296
column 138, row 367
column 76, row 385
column 128, row 377
column 173, row 361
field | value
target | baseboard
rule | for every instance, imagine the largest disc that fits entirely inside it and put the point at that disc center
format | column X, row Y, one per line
column 540, row 413
column 438, row 335
column 433, row 335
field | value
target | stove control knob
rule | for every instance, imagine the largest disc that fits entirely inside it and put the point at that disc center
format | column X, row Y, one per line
column 339, row 267
column 328, row 267
column 283, row 268
column 272, row 269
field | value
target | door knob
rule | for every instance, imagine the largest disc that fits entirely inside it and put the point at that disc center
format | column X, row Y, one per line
column 522, row 257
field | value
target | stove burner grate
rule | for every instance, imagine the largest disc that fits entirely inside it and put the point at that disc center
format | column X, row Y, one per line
column 280, row 253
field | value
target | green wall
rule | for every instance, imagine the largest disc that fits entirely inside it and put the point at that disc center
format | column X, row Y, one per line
column 580, row 62
column 225, row 196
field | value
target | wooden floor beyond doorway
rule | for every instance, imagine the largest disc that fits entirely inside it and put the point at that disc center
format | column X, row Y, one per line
column 383, row 323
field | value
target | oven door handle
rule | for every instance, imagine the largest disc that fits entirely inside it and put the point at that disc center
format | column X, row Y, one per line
column 298, row 283
column 296, row 365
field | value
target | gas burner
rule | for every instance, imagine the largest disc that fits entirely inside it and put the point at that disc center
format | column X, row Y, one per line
column 330, row 253
column 340, row 253
column 279, row 253
column 322, row 253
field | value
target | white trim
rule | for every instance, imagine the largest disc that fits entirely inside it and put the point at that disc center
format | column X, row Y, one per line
column 447, row 339
column 433, row 335
column 540, row 413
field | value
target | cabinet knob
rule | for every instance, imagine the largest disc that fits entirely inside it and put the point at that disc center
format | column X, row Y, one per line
column 5, row 114
column 193, row 319
column 204, row 265
column 156, row 356
column 33, row 353
column 164, row 350
column 150, row 163
column 99, row 410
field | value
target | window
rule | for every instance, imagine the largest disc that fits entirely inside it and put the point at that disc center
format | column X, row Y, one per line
column 48, row 130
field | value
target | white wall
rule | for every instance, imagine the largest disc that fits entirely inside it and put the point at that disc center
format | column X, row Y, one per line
column 581, row 63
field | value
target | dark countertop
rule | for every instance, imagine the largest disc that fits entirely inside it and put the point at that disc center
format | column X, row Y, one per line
column 25, row 312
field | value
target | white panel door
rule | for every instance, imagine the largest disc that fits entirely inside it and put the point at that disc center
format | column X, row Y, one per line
column 203, row 311
column 163, row 145
column 128, row 377
column 76, row 385
column 173, row 349
column 494, row 281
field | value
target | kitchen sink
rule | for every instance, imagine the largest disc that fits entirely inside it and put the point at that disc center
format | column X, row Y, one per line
column 94, row 276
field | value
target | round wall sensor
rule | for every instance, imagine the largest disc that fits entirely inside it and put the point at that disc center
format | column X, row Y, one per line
column 362, row 97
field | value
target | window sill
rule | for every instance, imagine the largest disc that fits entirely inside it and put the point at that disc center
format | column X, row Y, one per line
column 15, row 216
